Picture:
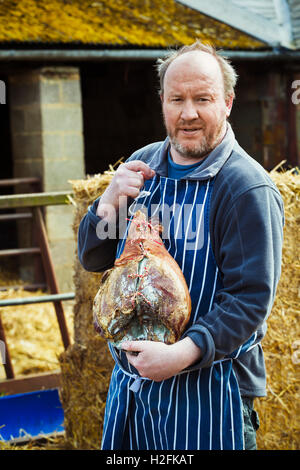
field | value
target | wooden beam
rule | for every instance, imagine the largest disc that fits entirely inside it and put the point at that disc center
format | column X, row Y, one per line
column 35, row 199
column 20, row 251
column 30, row 383
column 242, row 19
column 42, row 239
column 20, row 215
column 18, row 181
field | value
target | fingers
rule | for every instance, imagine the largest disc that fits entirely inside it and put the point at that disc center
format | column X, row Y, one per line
column 127, row 181
column 130, row 176
column 132, row 346
column 134, row 181
column 139, row 166
column 134, row 352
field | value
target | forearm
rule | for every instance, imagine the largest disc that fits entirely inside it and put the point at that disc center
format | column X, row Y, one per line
column 95, row 254
column 186, row 353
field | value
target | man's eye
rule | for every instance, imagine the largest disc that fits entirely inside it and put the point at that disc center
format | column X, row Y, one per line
column 176, row 100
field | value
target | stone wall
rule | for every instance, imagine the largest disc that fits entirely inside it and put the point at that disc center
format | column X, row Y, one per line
column 47, row 142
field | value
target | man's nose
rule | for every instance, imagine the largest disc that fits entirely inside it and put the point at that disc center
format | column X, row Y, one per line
column 189, row 111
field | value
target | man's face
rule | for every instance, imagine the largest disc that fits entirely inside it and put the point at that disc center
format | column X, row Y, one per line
column 194, row 106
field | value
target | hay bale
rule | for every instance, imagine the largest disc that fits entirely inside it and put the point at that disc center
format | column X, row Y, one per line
column 279, row 411
column 32, row 333
column 85, row 375
column 87, row 365
column 85, row 283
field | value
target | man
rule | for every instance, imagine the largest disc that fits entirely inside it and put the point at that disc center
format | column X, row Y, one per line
column 197, row 393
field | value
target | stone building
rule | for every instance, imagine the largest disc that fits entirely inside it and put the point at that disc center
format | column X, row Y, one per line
column 79, row 89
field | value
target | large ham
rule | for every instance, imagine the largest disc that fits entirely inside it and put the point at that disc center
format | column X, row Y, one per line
column 144, row 296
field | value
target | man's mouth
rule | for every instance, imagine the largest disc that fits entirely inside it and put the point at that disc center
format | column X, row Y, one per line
column 190, row 130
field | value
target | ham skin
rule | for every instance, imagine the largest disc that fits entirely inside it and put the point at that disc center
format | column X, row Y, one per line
column 145, row 295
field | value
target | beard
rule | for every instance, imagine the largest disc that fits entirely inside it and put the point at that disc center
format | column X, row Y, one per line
column 196, row 151
column 199, row 149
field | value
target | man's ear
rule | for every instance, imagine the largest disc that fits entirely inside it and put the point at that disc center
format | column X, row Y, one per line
column 161, row 97
column 229, row 103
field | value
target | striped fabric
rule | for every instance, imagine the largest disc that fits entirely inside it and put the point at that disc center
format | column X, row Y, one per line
column 196, row 409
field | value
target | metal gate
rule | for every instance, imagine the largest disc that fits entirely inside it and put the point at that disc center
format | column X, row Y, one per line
column 34, row 202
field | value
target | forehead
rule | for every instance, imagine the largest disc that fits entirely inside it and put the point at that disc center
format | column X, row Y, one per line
column 195, row 67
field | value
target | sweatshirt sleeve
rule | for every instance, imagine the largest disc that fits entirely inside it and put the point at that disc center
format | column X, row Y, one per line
column 248, row 253
column 95, row 253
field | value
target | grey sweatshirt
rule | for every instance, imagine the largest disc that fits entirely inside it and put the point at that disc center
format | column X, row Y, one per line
column 246, row 230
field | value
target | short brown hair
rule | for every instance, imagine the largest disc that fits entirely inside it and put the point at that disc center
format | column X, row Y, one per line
column 228, row 72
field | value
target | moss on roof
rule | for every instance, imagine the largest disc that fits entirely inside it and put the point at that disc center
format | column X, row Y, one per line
column 138, row 23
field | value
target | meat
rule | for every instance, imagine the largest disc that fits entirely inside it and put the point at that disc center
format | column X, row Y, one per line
column 144, row 296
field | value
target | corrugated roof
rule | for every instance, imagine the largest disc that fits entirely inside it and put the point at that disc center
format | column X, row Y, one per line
column 265, row 8
column 295, row 20
column 138, row 23
column 285, row 15
column 275, row 22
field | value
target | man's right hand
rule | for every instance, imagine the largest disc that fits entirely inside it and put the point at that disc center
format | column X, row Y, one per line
column 127, row 182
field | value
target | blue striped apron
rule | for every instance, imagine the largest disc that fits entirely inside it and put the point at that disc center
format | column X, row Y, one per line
column 198, row 409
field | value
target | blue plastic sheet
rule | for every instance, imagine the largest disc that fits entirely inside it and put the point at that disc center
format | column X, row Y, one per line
column 35, row 413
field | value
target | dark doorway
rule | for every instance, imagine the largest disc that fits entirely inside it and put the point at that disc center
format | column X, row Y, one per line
column 121, row 111
column 8, row 229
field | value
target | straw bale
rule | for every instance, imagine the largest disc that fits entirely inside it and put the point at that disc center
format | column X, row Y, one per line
column 86, row 286
column 279, row 411
column 85, row 283
column 46, row 443
column 32, row 333
column 85, row 379
column 86, row 366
